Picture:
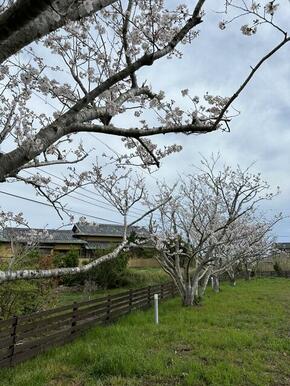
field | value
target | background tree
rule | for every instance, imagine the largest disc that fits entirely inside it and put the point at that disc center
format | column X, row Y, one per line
column 197, row 229
column 247, row 242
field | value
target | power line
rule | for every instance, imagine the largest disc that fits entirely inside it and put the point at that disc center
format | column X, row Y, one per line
column 118, row 154
column 106, row 145
column 82, row 200
column 103, row 143
column 49, row 205
column 89, row 191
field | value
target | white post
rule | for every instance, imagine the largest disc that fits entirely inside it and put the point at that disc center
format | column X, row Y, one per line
column 156, row 316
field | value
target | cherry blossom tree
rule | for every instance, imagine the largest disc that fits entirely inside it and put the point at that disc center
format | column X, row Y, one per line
column 248, row 241
column 75, row 67
column 122, row 190
column 87, row 66
column 198, row 231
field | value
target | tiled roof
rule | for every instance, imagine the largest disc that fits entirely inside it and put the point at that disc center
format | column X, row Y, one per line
column 103, row 229
column 282, row 245
column 66, row 236
column 41, row 235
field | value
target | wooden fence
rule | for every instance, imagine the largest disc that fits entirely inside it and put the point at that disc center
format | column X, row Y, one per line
column 272, row 274
column 23, row 337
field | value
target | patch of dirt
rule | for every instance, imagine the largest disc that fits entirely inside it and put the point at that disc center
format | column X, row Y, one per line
column 65, row 380
column 182, row 350
column 158, row 381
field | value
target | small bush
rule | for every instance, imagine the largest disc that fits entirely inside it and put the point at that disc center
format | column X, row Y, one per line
column 107, row 275
column 66, row 260
column 278, row 269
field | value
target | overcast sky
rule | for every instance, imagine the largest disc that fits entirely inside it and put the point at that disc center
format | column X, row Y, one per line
column 217, row 62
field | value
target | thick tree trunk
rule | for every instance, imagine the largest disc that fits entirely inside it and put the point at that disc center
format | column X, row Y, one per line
column 203, row 284
column 232, row 277
column 190, row 296
column 215, row 283
column 28, row 20
column 233, row 282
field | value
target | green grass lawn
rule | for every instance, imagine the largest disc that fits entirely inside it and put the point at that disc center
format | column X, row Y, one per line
column 240, row 336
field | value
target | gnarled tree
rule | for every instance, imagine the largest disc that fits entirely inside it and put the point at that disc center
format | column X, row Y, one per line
column 200, row 222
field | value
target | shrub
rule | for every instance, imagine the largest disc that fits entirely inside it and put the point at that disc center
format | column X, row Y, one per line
column 278, row 269
column 66, row 260
column 143, row 277
column 107, row 275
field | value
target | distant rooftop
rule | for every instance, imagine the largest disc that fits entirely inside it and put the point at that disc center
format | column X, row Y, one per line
column 103, row 229
column 41, row 235
column 65, row 236
column 283, row 245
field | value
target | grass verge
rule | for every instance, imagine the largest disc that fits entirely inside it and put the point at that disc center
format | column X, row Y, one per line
column 238, row 337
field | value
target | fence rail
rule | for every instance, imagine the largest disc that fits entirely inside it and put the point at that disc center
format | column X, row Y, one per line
column 23, row 337
column 272, row 274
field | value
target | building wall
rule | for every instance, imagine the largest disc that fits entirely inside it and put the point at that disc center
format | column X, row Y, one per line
column 53, row 249
column 64, row 248
column 143, row 263
column 5, row 250
column 283, row 260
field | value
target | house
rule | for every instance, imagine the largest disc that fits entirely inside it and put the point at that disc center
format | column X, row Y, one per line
column 283, row 247
column 84, row 238
column 97, row 236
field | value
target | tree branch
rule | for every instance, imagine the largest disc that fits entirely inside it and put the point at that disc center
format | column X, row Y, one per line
column 28, row 20
column 28, row 274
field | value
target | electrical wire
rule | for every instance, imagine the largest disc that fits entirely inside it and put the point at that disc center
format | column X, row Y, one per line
column 50, row 205
column 87, row 190
column 82, row 200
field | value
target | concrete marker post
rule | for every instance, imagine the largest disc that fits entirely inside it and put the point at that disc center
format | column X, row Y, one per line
column 156, row 316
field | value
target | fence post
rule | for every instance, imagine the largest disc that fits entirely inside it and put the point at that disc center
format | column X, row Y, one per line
column 13, row 335
column 161, row 291
column 130, row 299
column 74, row 318
column 149, row 296
column 108, row 308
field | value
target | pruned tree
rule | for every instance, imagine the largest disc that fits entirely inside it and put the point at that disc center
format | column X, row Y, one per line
column 199, row 225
